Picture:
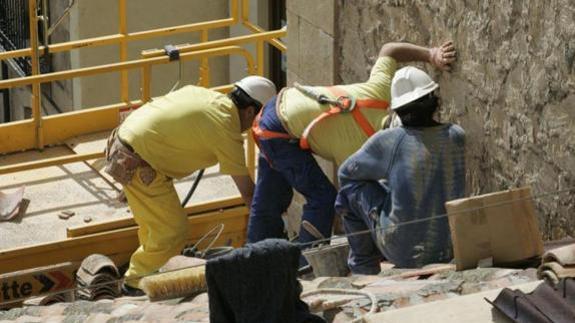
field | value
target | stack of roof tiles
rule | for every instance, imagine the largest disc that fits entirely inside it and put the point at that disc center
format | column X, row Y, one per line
column 97, row 278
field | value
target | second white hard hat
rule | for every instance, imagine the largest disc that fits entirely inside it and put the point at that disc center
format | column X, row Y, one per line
column 258, row 88
column 408, row 85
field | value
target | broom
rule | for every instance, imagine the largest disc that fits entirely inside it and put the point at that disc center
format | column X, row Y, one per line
column 181, row 282
column 175, row 284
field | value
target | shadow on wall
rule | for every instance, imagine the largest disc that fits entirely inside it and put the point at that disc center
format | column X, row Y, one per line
column 512, row 89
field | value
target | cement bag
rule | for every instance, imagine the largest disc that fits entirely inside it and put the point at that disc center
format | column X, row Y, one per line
column 500, row 226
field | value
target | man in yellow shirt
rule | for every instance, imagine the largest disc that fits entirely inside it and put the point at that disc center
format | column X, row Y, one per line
column 333, row 122
column 171, row 137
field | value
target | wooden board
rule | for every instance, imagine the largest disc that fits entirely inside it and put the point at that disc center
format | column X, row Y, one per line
column 103, row 226
column 119, row 244
column 471, row 308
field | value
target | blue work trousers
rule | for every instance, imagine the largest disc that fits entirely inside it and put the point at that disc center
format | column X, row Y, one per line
column 282, row 167
column 361, row 203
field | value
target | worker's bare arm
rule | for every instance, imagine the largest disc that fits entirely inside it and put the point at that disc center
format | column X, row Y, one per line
column 441, row 57
column 246, row 187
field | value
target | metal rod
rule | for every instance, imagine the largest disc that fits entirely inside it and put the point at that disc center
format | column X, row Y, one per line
column 201, row 207
column 274, row 42
column 61, row 18
column 205, row 66
column 117, row 38
column 134, row 64
column 6, row 95
column 260, row 57
column 146, row 82
column 49, row 162
column 222, row 42
column 35, row 62
column 251, row 156
column 245, row 10
column 125, row 86
column 45, row 21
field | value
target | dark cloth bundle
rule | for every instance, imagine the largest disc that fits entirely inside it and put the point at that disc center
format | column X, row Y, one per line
column 257, row 283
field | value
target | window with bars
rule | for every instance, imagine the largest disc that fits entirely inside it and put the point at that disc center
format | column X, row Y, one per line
column 15, row 34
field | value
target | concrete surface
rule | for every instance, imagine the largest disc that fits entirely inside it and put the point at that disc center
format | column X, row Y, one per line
column 78, row 188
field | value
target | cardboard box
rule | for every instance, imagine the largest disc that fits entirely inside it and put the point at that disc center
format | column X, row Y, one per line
column 501, row 226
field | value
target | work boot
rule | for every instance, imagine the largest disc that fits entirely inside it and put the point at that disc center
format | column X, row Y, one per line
column 128, row 290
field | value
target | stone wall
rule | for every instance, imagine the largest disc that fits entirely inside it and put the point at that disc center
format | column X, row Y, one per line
column 512, row 90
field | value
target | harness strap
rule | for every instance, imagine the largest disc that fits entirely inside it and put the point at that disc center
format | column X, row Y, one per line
column 343, row 104
column 346, row 106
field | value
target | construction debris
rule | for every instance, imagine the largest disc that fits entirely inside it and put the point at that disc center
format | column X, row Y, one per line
column 97, row 278
column 12, row 204
column 545, row 304
column 66, row 214
column 557, row 264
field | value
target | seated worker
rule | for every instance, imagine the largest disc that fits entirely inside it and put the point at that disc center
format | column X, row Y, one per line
column 171, row 137
column 402, row 175
column 299, row 121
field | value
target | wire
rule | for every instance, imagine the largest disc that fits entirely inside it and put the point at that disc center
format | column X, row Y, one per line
column 459, row 213
column 444, row 215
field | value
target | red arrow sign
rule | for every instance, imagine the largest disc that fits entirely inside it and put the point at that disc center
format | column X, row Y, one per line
column 62, row 280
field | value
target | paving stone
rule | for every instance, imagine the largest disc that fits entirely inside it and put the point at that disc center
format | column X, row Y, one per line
column 87, row 308
column 201, row 299
column 75, row 318
column 98, row 318
column 29, row 319
column 193, row 316
column 54, row 319
column 52, row 310
column 124, row 309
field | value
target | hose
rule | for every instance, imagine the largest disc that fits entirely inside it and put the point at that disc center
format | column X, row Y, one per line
column 193, row 188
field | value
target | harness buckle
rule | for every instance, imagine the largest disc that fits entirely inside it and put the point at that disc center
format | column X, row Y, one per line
column 346, row 103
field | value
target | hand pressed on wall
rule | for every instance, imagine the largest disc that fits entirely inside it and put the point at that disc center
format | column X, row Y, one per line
column 442, row 56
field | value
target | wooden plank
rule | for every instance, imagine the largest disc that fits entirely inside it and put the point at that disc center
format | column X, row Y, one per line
column 194, row 210
column 471, row 308
column 119, row 244
column 36, row 282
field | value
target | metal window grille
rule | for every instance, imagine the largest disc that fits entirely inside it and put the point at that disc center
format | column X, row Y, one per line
column 15, row 33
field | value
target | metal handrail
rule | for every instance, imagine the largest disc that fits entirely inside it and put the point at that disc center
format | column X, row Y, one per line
column 50, row 130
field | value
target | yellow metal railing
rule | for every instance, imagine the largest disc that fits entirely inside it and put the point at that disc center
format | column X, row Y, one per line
column 41, row 131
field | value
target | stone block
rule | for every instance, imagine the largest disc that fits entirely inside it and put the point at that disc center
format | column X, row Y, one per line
column 320, row 13
column 293, row 55
column 316, row 63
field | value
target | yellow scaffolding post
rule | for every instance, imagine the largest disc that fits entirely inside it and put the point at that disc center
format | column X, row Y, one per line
column 35, row 62
column 125, row 94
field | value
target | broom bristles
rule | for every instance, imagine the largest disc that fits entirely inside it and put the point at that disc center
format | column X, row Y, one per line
column 175, row 284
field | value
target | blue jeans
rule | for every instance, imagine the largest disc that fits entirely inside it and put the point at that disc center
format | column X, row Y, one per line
column 361, row 204
column 290, row 168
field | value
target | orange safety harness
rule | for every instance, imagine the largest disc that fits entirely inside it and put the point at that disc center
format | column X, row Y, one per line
column 343, row 104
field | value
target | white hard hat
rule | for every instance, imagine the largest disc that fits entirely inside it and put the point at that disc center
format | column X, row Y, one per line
column 258, row 88
column 408, row 85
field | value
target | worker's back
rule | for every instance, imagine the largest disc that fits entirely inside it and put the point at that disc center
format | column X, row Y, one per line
column 426, row 169
column 186, row 130
column 337, row 138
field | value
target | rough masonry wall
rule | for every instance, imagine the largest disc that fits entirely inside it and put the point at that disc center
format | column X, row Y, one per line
column 512, row 90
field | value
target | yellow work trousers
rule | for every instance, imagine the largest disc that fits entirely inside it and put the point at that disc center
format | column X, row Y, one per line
column 163, row 225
